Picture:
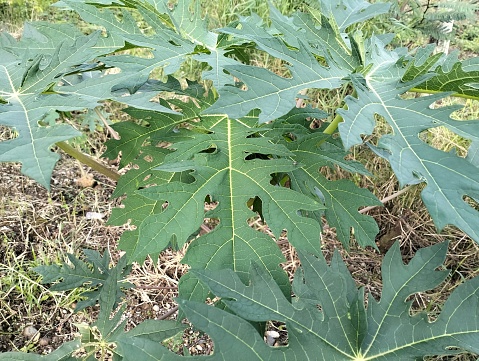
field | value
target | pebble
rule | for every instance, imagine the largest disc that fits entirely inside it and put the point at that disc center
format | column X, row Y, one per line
column 44, row 341
column 156, row 308
column 271, row 337
column 30, row 331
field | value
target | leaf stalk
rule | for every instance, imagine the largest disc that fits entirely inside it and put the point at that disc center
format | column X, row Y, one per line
column 88, row 161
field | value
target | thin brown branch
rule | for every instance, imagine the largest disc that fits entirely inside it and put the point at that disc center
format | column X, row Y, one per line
column 169, row 313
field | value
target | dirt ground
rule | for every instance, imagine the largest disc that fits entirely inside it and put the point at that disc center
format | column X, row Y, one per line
column 38, row 227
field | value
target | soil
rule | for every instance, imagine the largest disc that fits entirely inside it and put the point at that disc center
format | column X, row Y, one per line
column 37, row 226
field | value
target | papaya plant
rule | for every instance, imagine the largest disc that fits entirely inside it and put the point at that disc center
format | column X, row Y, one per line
column 235, row 139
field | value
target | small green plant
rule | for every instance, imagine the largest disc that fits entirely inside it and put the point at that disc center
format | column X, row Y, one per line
column 236, row 140
column 433, row 19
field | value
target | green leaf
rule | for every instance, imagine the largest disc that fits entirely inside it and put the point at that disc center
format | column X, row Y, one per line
column 95, row 272
column 133, row 135
column 227, row 162
column 274, row 95
column 105, row 18
column 348, row 12
column 341, row 198
column 186, row 16
column 449, row 178
column 460, row 77
column 42, row 37
column 344, row 329
column 226, row 177
column 23, row 84
column 171, row 43
column 103, row 336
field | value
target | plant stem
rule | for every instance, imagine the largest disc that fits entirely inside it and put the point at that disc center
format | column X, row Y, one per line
column 89, row 161
column 457, row 95
column 112, row 132
column 387, row 199
column 331, row 128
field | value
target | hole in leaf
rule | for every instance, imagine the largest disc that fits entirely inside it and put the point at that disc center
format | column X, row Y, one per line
column 380, row 127
column 474, row 203
column 256, row 156
column 190, row 342
column 211, row 150
column 445, row 140
column 7, row 133
column 209, row 224
column 276, row 334
column 148, row 158
column 453, row 348
column 256, row 205
column 425, row 302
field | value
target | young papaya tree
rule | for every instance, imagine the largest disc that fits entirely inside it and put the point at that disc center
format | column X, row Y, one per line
column 236, row 140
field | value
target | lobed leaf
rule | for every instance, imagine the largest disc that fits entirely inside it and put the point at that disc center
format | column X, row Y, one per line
column 449, row 178
column 274, row 95
column 344, row 329
column 460, row 77
column 95, row 272
column 23, row 83
column 341, row 198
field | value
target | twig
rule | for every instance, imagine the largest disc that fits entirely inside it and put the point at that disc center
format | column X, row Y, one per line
column 157, row 287
column 387, row 199
column 169, row 313
column 205, row 228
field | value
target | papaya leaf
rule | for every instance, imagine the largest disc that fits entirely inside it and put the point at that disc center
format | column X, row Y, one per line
column 226, row 176
column 95, row 272
column 341, row 198
column 343, row 328
column 226, row 161
column 348, row 12
column 23, row 84
column 449, row 178
column 102, row 336
column 274, row 95
column 47, row 69
column 459, row 77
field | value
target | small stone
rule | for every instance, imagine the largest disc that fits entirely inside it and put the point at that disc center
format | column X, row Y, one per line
column 44, row 341
column 199, row 348
column 94, row 215
column 273, row 334
column 271, row 337
column 30, row 332
column 156, row 308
